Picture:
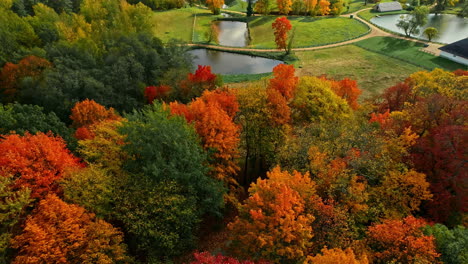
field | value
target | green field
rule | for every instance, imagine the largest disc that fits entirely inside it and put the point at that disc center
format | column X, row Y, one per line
column 178, row 23
column 369, row 14
column 309, row 31
column 374, row 72
column 408, row 51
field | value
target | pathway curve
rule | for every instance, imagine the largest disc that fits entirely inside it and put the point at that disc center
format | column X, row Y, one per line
column 374, row 32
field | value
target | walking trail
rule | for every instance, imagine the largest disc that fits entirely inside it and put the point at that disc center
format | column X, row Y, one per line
column 433, row 48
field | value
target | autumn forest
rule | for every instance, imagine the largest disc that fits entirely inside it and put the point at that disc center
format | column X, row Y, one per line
column 115, row 149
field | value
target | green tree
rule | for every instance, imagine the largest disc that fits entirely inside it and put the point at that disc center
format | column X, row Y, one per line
column 411, row 23
column 167, row 148
column 430, row 32
column 451, row 243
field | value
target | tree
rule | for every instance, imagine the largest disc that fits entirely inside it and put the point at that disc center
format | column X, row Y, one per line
column 402, row 241
column 39, row 161
column 281, row 28
column 13, row 204
column 250, row 11
column 18, row 118
column 58, row 232
column 411, row 23
column 311, row 6
column 284, row 6
column 156, row 92
column 336, row 255
column 169, row 149
column 273, row 223
column 315, row 101
column 207, row 258
column 451, row 243
column 212, row 34
column 88, row 112
column 12, row 74
column 337, row 7
column 215, row 6
column 263, row 6
column 324, row 7
column 284, row 80
column 203, row 79
column 430, row 33
column 348, row 90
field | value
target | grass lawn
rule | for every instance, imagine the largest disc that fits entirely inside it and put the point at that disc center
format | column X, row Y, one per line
column 374, row 72
column 309, row 31
column 178, row 23
column 369, row 14
column 407, row 51
column 237, row 5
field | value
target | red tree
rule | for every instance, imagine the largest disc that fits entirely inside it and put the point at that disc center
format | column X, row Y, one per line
column 38, row 160
column 156, row 92
column 203, row 79
column 58, row 232
column 281, row 26
column 348, row 90
column 396, row 96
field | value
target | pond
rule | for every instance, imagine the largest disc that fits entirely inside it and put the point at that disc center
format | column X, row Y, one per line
column 451, row 28
column 232, row 63
column 232, row 33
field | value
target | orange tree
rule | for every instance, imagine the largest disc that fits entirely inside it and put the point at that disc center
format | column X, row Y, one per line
column 38, row 161
column 58, row 232
column 402, row 241
column 281, row 28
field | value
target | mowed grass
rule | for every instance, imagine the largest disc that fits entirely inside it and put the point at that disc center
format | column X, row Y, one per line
column 374, row 72
column 177, row 23
column 408, row 51
column 369, row 14
column 309, row 31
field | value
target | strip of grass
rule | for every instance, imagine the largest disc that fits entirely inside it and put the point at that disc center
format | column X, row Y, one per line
column 237, row 78
column 238, row 5
column 408, row 51
column 309, row 31
column 374, row 72
column 177, row 23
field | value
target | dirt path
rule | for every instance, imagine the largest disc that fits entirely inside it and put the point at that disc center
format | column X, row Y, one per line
column 374, row 32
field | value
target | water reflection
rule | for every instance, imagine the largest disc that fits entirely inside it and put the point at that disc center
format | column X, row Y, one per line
column 231, row 63
column 451, row 28
column 232, row 33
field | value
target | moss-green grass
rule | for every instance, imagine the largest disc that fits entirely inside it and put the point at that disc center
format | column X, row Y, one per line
column 238, row 78
column 408, row 51
column 178, row 23
column 309, row 31
column 238, row 5
column 374, row 72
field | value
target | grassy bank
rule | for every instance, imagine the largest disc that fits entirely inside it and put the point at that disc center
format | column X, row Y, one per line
column 374, row 72
column 369, row 14
column 309, row 31
column 407, row 51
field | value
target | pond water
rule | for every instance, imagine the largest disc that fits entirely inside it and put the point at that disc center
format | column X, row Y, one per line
column 451, row 28
column 232, row 63
column 232, row 33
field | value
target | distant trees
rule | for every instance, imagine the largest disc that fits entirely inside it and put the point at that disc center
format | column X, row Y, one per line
column 284, row 6
column 430, row 32
column 215, row 6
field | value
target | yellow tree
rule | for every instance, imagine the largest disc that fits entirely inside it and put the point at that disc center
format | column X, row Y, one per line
column 324, row 7
column 215, row 6
column 284, row 6
column 335, row 256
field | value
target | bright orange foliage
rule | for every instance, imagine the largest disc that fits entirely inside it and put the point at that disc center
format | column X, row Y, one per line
column 88, row 112
column 324, row 7
column 348, row 90
column 284, row 80
column 11, row 74
column 402, row 241
column 383, row 119
column 58, row 232
column 38, row 160
column 284, row 6
column 278, row 106
column 213, row 115
column 281, row 28
column 273, row 223
column 336, row 256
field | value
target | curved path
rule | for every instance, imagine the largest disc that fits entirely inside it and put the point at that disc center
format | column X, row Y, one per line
column 374, row 32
